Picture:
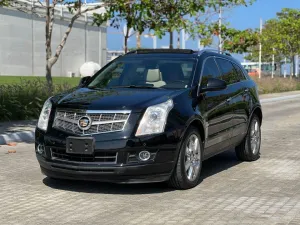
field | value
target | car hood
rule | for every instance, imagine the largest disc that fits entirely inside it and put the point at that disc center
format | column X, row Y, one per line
column 114, row 99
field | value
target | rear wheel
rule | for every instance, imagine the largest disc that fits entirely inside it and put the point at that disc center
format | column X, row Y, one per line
column 249, row 149
column 187, row 171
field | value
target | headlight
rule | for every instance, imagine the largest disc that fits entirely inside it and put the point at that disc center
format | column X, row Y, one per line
column 154, row 119
column 44, row 116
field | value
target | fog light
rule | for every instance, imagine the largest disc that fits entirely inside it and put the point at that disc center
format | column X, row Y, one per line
column 144, row 155
column 41, row 149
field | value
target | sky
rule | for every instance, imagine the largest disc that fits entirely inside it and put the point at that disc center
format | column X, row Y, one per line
column 239, row 18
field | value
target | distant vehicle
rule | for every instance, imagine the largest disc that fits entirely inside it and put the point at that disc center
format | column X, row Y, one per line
column 151, row 116
column 253, row 68
column 253, row 72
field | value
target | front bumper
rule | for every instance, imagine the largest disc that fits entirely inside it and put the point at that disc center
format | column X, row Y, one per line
column 158, row 169
column 115, row 174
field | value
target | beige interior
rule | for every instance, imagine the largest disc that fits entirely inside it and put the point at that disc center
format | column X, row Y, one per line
column 154, row 77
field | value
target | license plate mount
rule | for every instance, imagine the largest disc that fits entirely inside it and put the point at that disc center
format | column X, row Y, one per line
column 80, row 145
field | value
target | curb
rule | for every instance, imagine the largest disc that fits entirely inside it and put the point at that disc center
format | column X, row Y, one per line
column 22, row 136
column 276, row 99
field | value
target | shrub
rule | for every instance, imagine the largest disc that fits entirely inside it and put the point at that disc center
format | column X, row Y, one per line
column 24, row 100
column 277, row 84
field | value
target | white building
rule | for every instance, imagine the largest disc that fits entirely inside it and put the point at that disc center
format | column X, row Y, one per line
column 112, row 54
column 22, row 42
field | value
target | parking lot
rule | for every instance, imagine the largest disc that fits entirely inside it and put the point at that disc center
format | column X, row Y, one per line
column 263, row 192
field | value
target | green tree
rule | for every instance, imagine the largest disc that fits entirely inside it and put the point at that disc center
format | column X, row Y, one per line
column 205, row 28
column 239, row 41
column 173, row 15
column 132, row 12
column 282, row 34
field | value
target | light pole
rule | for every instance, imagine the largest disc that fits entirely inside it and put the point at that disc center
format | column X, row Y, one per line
column 154, row 38
column 284, row 72
column 220, row 29
column 260, row 47
column 273, row 63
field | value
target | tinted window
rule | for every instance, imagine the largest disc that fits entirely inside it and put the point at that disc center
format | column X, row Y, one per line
column 210, row 70
column 240, row 74
column 229, row 74
column 150, row 72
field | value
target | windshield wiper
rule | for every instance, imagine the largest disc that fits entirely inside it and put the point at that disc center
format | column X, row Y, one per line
column 94, row 88
column 136, row 86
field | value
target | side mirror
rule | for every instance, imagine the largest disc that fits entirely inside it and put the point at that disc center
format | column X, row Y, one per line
column 214, row 84
column 84, row 80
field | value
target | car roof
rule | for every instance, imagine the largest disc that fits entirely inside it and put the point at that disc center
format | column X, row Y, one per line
column 181, row 53
column 171, row 53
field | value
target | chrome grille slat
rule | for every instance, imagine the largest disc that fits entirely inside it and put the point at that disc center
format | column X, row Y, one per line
column 102, row 121
column 59, row 154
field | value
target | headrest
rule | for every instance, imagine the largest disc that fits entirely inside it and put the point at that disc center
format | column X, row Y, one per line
column 171, row 71
column 153, row 75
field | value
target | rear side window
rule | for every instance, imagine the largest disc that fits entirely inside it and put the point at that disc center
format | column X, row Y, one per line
column 229, row 74
column 210, row 70
column 240, row 74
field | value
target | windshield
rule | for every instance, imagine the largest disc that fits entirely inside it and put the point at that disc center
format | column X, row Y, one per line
column 146, row 73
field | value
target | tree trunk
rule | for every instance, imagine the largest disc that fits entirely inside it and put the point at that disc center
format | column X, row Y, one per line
column 178, row 40
column 292, row 67
column 48, row 76
column 126, row 40
column 171, row 40
column 126, row 43
column 138, row 40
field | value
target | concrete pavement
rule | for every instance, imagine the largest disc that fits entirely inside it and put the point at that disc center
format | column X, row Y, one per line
column 263, row 192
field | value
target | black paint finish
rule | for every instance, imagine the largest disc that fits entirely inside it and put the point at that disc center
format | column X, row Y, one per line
column 222, row 117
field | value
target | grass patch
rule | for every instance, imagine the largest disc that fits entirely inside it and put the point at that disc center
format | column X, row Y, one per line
column 72, row 81
column 268, row 85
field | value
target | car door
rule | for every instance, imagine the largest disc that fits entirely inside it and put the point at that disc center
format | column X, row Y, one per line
column 240, row 106
column 215, row 107
column 236, row 92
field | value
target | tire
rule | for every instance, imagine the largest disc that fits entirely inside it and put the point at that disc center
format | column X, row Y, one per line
column 245, row 151
column 189, row 151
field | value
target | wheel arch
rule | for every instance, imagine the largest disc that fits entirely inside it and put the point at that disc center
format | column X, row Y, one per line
column 256, row 111
column 197, row 123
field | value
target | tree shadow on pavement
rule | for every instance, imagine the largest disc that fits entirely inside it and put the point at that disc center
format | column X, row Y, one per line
column 212, row 166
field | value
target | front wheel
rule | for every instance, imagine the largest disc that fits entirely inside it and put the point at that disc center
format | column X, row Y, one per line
column 187, row 170
column 249, row 149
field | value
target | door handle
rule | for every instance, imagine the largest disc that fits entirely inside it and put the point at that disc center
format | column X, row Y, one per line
column 246, row 90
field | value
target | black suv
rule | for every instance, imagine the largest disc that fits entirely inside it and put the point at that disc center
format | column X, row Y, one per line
column 151, row 116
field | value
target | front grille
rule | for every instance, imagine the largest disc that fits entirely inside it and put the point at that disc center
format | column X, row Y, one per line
column 100, row 157
column 101, row 121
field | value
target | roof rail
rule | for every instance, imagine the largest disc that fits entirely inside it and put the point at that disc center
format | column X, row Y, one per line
column 161, row 50
column 214, row 50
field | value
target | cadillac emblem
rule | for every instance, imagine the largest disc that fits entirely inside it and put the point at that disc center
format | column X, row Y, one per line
column 84, row 123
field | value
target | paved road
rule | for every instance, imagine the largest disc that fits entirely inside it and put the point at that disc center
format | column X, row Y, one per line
column 263, row 192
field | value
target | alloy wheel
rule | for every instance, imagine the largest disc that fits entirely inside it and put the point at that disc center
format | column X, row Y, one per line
column 192, row 157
